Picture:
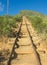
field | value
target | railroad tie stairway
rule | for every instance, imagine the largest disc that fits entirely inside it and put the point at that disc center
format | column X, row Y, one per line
column 26, row 54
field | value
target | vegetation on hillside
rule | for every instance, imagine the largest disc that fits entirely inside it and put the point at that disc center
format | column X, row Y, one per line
column 38, row 21
column 6, row 24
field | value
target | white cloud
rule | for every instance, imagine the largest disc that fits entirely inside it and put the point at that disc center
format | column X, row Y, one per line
column 1, row 7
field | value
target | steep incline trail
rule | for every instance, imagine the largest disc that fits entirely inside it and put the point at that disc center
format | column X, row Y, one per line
column 26, row 53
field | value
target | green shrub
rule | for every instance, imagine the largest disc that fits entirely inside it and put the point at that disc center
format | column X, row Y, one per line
column 7, row 23
column 38, row 24
column 18, row 18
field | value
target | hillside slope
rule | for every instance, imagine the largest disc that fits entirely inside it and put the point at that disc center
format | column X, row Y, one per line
column 38, row 21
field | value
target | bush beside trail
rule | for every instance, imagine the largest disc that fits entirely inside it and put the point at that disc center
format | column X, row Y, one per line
column 39, row 23
column 6, row 24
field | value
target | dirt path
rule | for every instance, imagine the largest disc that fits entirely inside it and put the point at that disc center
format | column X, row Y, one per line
column 26, row 54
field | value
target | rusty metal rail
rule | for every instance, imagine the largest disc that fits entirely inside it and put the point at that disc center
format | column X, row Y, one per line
column 36, row 53
column 15, row 44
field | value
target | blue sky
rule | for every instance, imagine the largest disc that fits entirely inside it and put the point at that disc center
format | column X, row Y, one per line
column 15, row 6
